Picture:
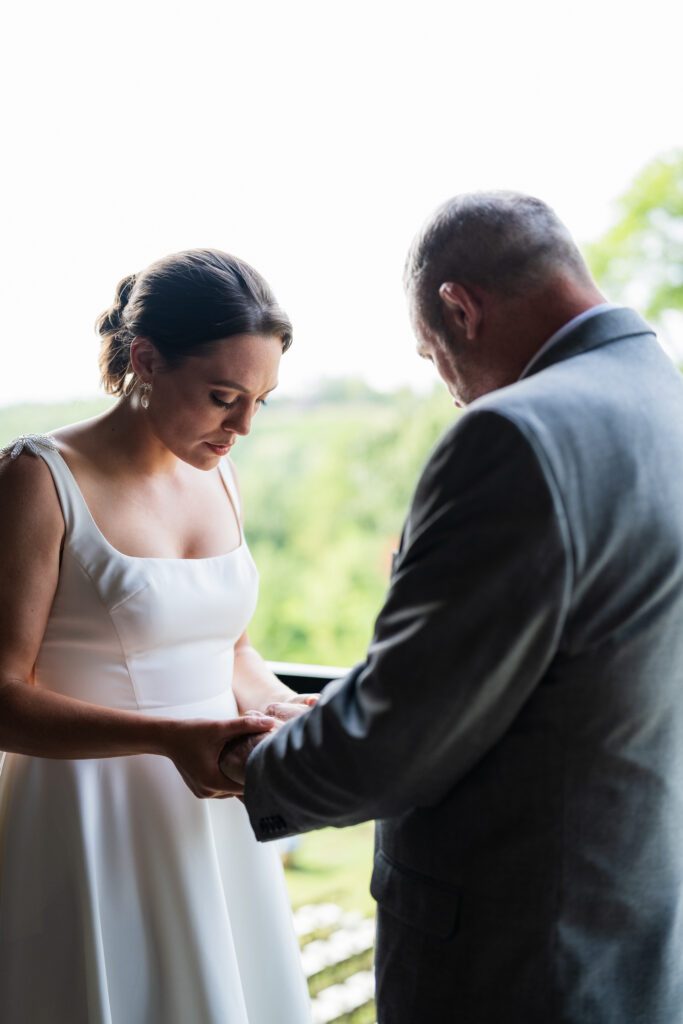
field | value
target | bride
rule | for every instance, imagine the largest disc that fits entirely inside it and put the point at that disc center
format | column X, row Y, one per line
column 125, row 590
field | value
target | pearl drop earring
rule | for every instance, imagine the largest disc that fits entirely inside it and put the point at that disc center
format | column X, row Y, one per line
column 144, row 397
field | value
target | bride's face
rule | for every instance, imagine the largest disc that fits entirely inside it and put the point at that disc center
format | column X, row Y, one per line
column 200, row 408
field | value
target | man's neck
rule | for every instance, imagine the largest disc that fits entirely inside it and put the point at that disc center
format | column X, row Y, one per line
column 525, row 323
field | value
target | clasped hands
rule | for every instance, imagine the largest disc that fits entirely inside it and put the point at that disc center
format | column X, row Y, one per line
column 211, row 755
column 235, row 753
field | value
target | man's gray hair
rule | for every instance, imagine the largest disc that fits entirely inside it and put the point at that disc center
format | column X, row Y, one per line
column 506, row 242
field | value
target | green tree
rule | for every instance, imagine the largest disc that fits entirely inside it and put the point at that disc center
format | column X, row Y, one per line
column 640, row 258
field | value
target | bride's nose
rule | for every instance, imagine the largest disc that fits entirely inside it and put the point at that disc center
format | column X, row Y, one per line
column 239, row 419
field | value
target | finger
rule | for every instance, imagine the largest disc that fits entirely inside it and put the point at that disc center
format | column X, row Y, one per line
column 246, row 724
column 285, row 710
column 258, row 721
column 227, row 784
column 227, row 788
column 238, row 748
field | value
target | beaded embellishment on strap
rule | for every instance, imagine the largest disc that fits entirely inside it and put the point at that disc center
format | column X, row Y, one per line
column 34, row 443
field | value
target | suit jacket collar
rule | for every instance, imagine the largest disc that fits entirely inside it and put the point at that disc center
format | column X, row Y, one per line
column 606, row 326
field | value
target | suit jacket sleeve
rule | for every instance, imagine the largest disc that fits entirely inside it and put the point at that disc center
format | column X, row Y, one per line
column 470, row 624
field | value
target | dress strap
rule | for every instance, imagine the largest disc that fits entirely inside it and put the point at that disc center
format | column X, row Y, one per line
column 227, row 473
column 69, row 495
column 228, row 477
column 34, row 442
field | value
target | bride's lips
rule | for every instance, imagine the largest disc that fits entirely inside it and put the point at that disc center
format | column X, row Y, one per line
column 219, row 449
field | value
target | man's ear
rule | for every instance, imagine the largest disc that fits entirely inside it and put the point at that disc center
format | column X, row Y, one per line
column 144, row 358
column 462, row 310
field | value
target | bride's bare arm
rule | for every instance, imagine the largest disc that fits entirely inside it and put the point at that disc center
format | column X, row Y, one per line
column 45, row 724
column 257, row 688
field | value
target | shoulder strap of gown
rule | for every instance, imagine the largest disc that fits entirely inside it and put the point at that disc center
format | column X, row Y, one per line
column 42, row 445
column 228, row 476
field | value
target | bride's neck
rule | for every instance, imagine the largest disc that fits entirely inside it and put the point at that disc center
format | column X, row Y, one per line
column 126, row 434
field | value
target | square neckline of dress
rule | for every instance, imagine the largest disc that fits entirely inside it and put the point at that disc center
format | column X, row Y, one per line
column 152, row 558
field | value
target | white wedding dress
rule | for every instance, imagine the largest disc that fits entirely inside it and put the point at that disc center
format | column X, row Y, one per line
column 124, row 899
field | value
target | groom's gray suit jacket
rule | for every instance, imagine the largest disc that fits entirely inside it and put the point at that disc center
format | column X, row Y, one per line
column 518, row 723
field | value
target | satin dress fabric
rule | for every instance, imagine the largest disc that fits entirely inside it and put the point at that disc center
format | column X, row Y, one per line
column 124, row 899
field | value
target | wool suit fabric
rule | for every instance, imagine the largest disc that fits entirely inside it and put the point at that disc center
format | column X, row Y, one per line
column 517, row 725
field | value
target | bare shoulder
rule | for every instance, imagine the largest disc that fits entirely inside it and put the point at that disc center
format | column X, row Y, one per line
column 28, row 499
column 25, row 475
column 86, row 448
column 32, row 529
column 82, row 433
column 75, row 441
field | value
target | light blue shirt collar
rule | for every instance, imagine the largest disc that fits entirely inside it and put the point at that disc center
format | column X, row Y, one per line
column 566, row 328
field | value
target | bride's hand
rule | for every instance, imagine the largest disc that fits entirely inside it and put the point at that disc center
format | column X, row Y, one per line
column 194, row 747
column 283, row 710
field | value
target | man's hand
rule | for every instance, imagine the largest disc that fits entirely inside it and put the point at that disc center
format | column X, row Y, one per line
column 233, row 758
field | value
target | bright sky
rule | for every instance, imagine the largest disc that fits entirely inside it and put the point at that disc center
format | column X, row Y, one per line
column 309, row 138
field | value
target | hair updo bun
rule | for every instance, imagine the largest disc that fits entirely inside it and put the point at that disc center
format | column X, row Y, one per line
column 115, row 349
column 181, row 303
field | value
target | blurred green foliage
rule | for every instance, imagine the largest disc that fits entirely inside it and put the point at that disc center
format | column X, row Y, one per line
column 333, row 866
column 640, row 258
column 326, row 484
column 40, row 417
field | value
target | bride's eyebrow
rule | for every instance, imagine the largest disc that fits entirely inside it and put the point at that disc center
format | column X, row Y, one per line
column 232, row 385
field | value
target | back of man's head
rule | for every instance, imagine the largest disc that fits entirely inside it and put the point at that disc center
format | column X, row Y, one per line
column 505, row 242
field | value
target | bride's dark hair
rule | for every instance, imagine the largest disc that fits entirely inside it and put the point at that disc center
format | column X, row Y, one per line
column 182, row 302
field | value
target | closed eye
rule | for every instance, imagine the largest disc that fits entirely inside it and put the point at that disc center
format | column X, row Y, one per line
column 233, row 403
column 224, row 405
